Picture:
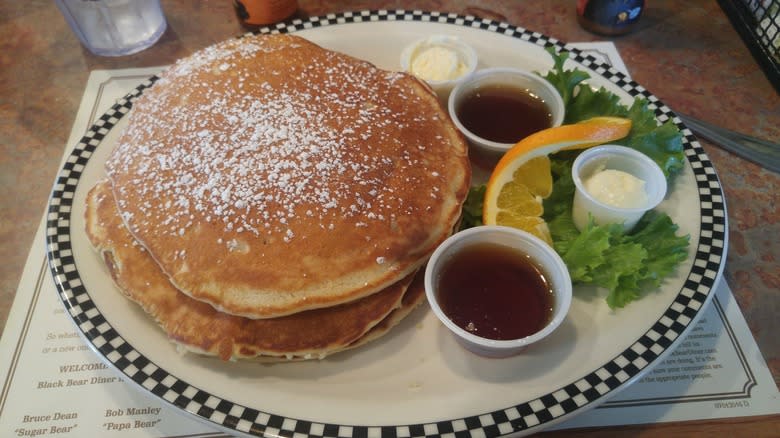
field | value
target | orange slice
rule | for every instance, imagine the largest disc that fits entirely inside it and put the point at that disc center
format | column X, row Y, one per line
column 522, row 179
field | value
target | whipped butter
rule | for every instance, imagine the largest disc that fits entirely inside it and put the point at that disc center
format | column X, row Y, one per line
column 437, row 63
column 439, row 60
column 615, row 185
column 617, row 188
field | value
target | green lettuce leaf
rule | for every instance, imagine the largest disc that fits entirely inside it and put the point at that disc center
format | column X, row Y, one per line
column 605, row 256
column 656, row 232
column 662, row 143
column 565, row 81
column 472, row 207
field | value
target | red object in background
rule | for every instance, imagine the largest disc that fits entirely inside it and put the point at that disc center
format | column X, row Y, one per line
column 255, row 13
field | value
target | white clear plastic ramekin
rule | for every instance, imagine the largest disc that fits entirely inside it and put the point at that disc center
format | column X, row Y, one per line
column 620, row 158
column 525, row 243
column 505, row 77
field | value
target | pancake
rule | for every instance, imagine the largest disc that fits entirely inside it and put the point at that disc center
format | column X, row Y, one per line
column 267, row 176
column 198, row 327
column 414, row 296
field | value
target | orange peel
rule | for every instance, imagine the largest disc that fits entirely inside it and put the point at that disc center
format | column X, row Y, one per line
column 522, row 179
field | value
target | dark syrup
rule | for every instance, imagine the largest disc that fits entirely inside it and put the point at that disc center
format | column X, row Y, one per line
column 503, row 114
column 495, row 292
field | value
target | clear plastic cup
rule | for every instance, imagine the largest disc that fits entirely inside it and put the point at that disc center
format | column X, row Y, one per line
column 114, row 27
column 503, row 77
column 520, row 242
column 623, row 159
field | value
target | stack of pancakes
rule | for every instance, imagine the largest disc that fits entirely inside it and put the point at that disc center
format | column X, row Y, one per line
column 271, row 199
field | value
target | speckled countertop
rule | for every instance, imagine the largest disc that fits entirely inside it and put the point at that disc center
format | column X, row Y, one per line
column 685, row 53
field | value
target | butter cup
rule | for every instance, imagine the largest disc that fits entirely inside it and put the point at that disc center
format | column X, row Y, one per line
column 463, row 51
column 618, row 158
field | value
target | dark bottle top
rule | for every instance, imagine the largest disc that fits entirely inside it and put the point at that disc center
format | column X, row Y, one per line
column 609, row 17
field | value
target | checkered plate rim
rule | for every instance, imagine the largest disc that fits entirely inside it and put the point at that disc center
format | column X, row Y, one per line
column 525, row 417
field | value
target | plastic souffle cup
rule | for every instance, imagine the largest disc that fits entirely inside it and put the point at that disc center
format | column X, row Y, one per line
column 520, row 242
column 503, row 77
column 618, row 158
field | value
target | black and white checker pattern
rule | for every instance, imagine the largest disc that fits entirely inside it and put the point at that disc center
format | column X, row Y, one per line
column 527, row 416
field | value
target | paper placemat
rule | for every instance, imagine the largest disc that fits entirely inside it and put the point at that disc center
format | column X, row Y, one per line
column 53, row 384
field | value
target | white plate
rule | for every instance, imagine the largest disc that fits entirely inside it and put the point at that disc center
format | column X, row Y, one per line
column 415, row 381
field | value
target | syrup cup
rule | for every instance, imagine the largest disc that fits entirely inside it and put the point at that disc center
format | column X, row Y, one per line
column 618, row 158
column 540, row 253
column 534, row 84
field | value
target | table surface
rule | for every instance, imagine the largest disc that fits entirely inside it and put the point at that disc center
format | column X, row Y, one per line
column 685, row 53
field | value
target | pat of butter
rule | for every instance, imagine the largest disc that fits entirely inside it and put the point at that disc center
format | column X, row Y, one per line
column 437, row 63
column 617, row 188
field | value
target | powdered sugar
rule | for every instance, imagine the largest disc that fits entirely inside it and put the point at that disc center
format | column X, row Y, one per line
column 257, row 159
